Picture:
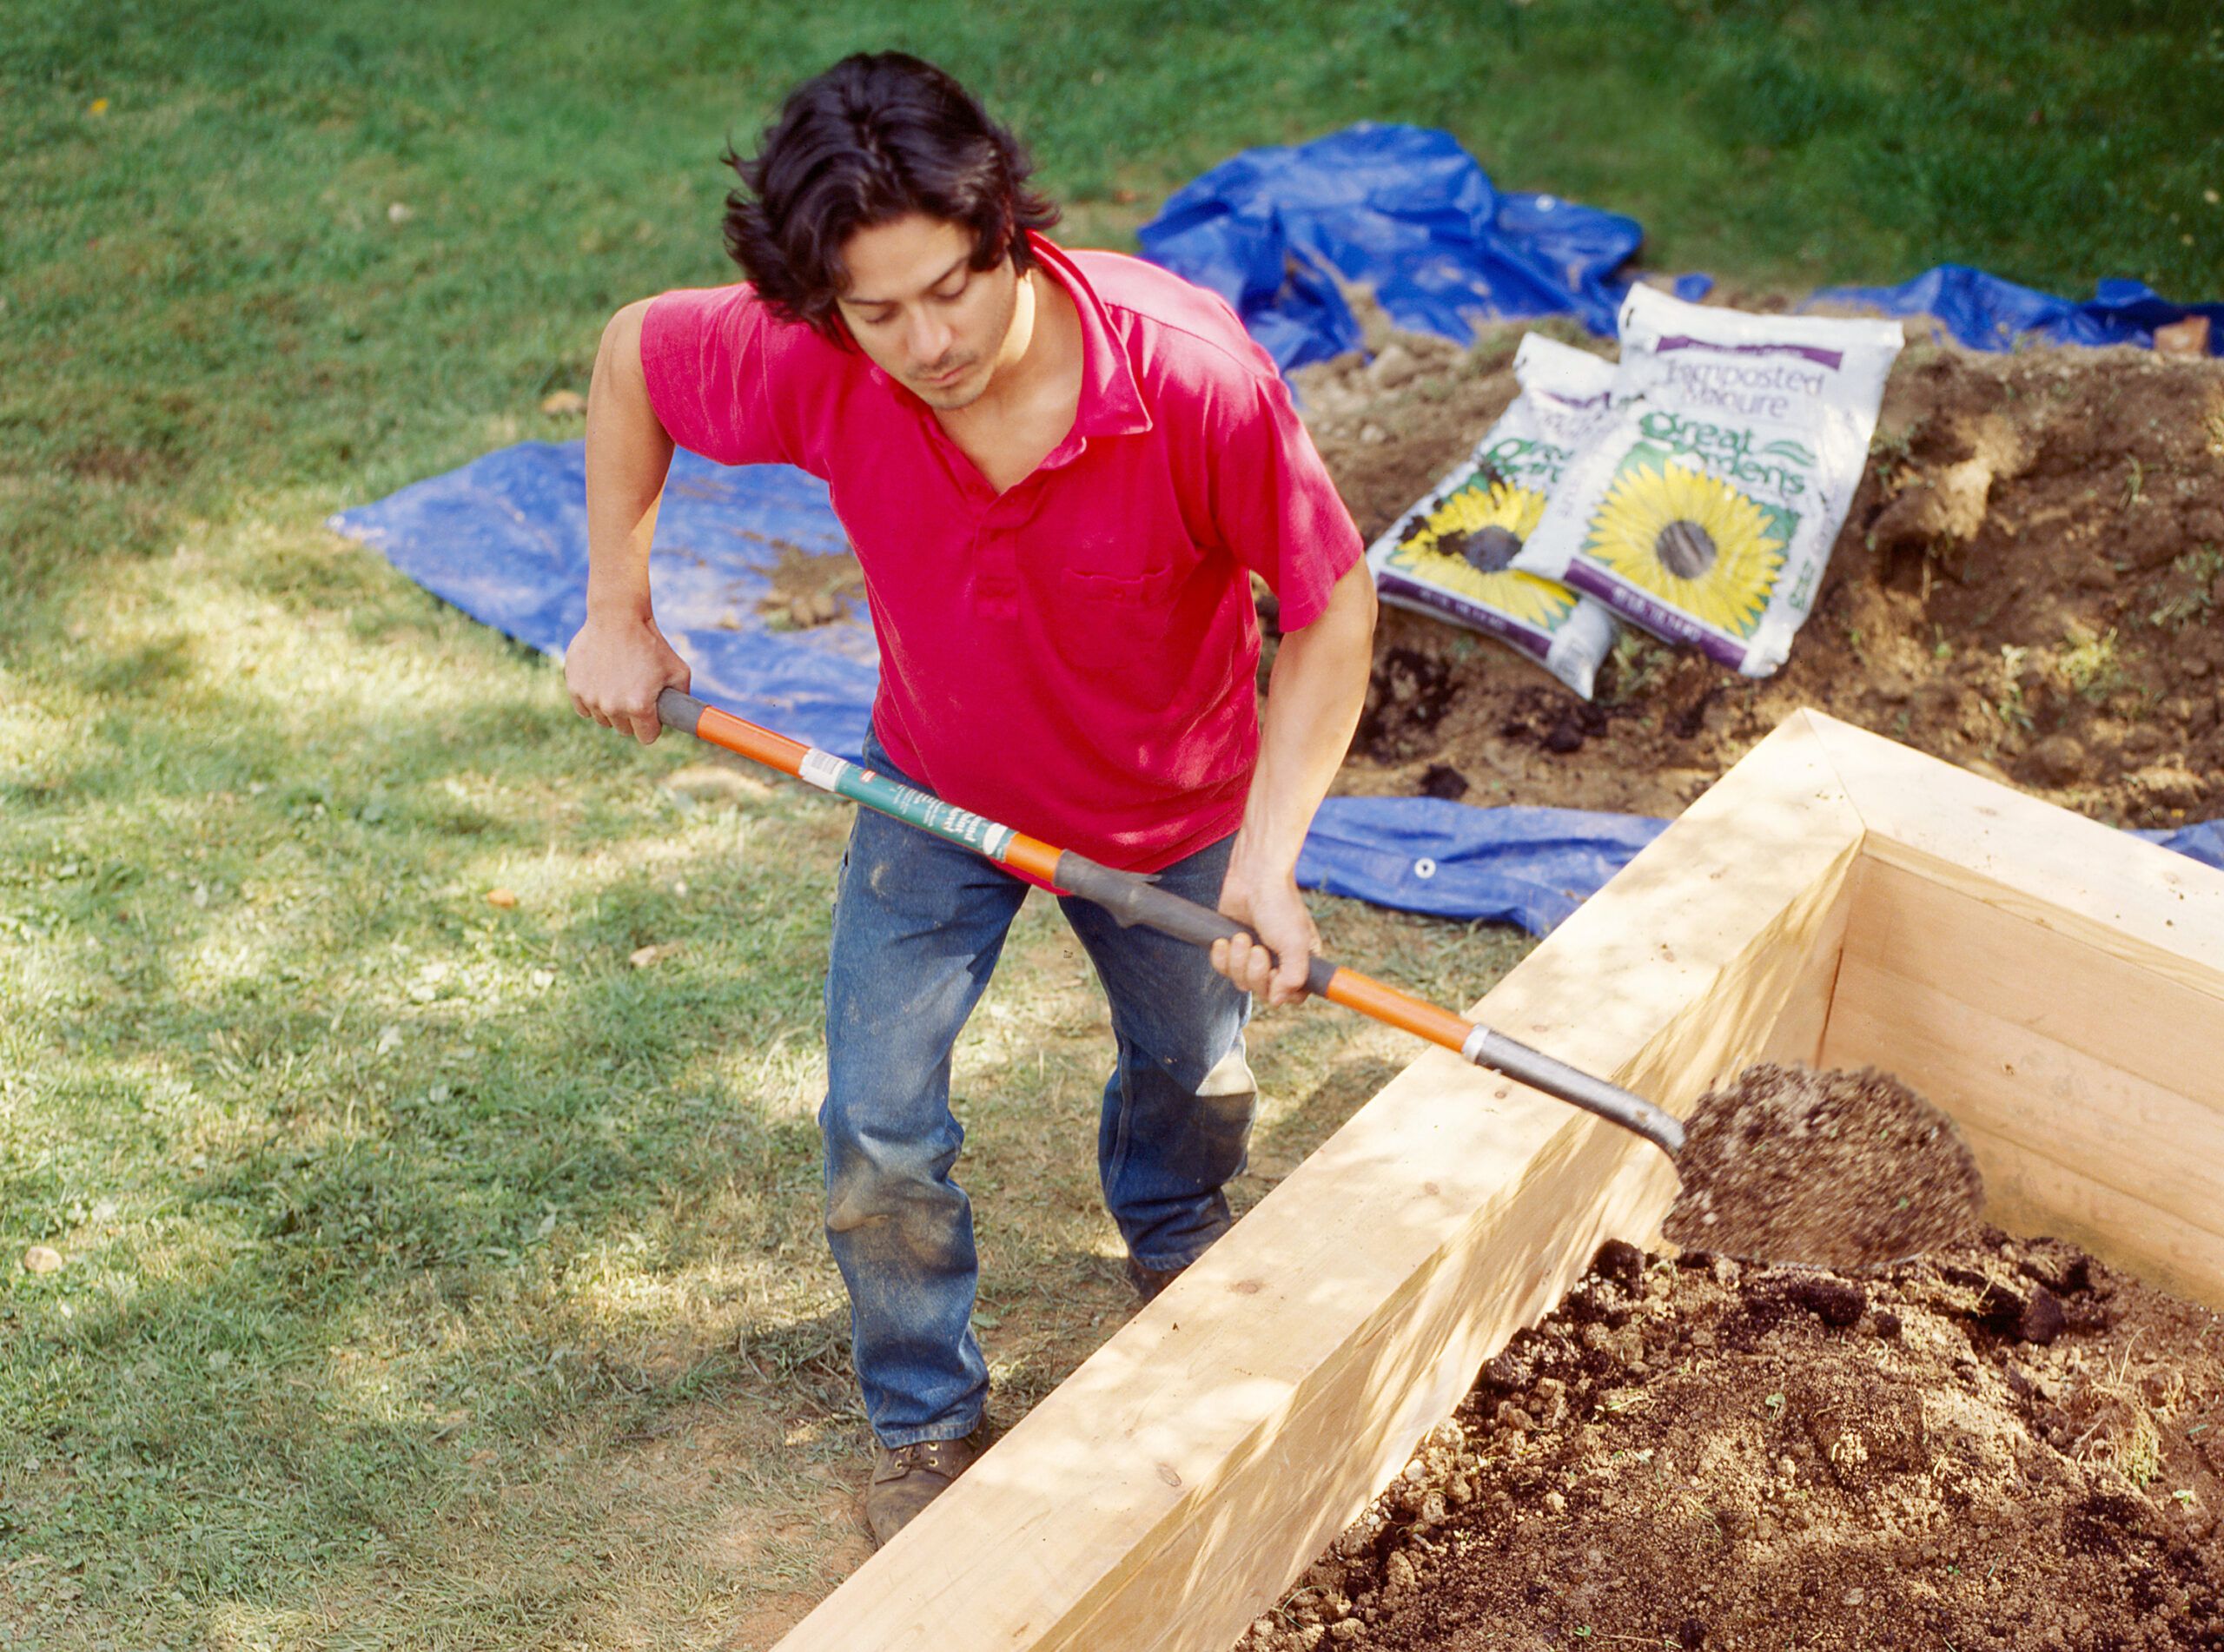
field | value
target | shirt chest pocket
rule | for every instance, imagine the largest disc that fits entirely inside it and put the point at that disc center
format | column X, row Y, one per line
column 1122, row 625
column 1154, row 590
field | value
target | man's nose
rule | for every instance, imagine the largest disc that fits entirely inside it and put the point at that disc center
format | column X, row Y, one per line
column 930, row 338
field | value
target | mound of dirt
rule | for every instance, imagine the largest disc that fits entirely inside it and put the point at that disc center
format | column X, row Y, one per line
column 2026, row 584
column 813, row 590
column 1844, row 1169
column 2005, row 1446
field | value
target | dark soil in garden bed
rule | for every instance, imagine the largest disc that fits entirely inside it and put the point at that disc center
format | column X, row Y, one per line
column 2004, row 1445
column 2027, row 584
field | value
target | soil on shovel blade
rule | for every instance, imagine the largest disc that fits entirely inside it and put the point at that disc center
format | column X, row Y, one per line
column 2026, row 584
column 1844, row 1169
column 2004, row 1445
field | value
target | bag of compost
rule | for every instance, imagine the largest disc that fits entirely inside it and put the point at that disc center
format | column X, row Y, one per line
column 1450, row 554
column 1704, row 507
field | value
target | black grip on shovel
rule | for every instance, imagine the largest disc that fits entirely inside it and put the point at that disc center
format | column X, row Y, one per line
column 1133, row 898
column 676, row 709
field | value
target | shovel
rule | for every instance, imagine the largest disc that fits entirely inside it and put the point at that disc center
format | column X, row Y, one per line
column 1133, row 897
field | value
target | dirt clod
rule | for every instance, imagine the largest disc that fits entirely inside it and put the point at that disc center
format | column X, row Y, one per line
column 1836, row 1302
column 1443, row 781
column 1844, row 1169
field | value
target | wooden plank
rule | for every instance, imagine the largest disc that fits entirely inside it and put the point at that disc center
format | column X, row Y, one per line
column 2158, row 1148
column 2055, row 984
column 1409, row 1366
column 2091, row 997
column 1801, row 1029
column 2162, row 912
column 1205, row 1453
column 2026, row 1193
column 1832, row 892
column 1776, row 981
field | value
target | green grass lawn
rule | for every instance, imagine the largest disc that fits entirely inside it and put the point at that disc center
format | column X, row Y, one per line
column 432, row 1275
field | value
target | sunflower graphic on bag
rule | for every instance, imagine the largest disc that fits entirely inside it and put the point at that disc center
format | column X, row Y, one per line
column 1466, row 543
column 1690, row 539
column 1451, row 554
column 1706, row 505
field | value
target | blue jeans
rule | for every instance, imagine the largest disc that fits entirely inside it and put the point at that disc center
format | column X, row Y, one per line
column 918, row 924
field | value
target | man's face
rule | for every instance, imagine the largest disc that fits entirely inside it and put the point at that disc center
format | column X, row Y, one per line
column 927, row 318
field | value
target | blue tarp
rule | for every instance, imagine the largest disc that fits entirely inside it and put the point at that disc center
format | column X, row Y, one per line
column 1528, row 866
column 1986, row 313
column 1531, row 867
column 1404, row 208
column 504, row 539
column 2204, row 842
column 1408, row 211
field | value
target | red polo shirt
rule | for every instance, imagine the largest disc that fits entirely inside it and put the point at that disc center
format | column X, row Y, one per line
column 1075, row 656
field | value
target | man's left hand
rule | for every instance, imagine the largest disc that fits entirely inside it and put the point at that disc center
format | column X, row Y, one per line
column 1274, row 911
column 1313, row 696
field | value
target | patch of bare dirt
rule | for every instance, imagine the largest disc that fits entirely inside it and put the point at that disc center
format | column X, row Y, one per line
column 2027, row 584
column 810, row 590
column 2005, row 1446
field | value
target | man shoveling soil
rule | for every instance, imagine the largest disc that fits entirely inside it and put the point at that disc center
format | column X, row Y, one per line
column 1059, row 470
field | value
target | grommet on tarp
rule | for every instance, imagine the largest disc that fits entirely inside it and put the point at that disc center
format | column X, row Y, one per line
column 1423, row 868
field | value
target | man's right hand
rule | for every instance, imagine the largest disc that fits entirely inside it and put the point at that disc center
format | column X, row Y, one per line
column 619, row 662
column 616, row 668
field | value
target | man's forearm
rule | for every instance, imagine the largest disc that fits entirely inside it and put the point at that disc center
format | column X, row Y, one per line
column 619, row 663
column 1314, row 694
column 628, row 454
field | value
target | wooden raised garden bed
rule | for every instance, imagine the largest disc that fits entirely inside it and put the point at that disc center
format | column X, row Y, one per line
column 2057, row 985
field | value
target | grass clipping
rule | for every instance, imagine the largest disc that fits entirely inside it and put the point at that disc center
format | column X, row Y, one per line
column 1838, row 1169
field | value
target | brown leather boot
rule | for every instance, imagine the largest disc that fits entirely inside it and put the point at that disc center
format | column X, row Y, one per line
column 907, row 1478
column 1149, row 1282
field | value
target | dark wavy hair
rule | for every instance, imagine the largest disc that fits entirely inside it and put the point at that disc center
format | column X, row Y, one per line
column 878, row 136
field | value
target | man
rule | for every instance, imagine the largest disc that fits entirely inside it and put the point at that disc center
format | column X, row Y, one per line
column 1059, row 471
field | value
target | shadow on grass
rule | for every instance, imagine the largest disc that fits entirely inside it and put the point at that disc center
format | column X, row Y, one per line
column 359, row 1177
column 412, row 1198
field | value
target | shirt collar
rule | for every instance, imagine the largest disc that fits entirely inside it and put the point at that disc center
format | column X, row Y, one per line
column 1110, row 404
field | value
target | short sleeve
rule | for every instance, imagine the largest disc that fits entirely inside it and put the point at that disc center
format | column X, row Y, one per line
column 1273, row 502
column 705, row 353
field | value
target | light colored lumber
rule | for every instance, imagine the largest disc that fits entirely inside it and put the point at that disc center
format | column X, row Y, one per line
column 2154, row 1157
column 1176, row 1483
column 2068, row 980
column 1393, row 1370
column 2059, row 871
column 2055, row 984
column 2053, row 1099
column 1835, row 897
column 1800, row 1030
column 2027, row 1194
